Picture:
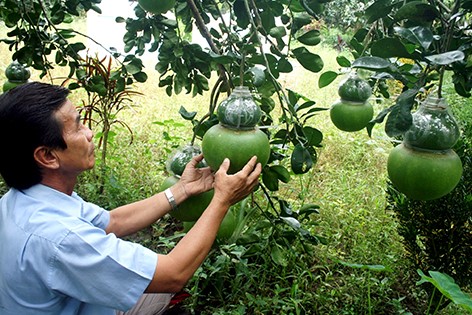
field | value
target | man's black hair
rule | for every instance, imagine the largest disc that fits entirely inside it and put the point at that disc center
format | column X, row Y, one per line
column 27, row 121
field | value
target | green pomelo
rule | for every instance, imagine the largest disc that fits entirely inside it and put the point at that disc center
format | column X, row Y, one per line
column 432, row 129
column 239, row 110
column 226, row 229
column 8, row 85
column 16, row 72
column 192, row 208
column 181, row 157
column 423, row 175
column 351, row 116
column 355, row 89
column 156, row 6
column 239, row 146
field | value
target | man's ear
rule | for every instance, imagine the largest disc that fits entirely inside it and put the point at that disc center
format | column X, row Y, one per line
column 46, row 157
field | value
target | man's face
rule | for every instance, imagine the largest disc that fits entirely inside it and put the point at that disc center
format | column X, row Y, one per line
column 79, row 155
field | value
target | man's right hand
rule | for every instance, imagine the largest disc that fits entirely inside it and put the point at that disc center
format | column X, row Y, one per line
column 230, row 189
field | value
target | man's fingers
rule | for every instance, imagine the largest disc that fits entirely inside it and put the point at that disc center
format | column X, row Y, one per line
column 195, row 160
column 225, row 165
column 249, row 167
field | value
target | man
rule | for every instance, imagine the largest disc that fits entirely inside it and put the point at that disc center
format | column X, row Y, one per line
column 62, row 255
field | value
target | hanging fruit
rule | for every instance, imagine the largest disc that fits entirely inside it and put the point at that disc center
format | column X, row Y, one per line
column 433, row 127
column 193, row 207
column 16, row 74
column 424, row 166
column 179, row 159
column 237, row 136
column 352, row 111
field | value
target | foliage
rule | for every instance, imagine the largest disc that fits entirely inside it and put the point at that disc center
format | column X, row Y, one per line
column 249, row 43
column 248, row 47
column 236, row 272
column 448, row 288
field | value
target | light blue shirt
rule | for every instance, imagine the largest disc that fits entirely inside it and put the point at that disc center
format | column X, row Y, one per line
column 55, row 257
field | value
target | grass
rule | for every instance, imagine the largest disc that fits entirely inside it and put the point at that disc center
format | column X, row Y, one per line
column 348, row 183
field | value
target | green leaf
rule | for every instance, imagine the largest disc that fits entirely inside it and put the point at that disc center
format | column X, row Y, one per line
column 418, row 35
column 343, row 61
column 399, row 120
column 132, row 69
column 312, row 7
column 326, row 78
column 186, row 114
column 242, row 19
column 310, row 38
column 278, row 255
column 277, row 32
column 270, row 179
column 292, row 222
column 140, row 76
column 313, row 136
column 418, row 12
column 308, row 209
column 308, row 60
column 372, row 63
column 389, row 47
column 446, row 58
column 377, row 268
column 448, row 287
column 282, row 173
column 96, row 8
column 284, row 66
column 301, row 160
column 379, row 9
column 57, row 17
column 221, row 59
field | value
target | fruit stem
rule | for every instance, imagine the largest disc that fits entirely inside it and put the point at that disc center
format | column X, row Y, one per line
column 241, row 70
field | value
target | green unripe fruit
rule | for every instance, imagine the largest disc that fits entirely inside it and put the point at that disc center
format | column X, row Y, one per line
column 226, row 229
column 239, row 110
column 423, row 175
column 16, row 72
column 239, row 146
column 354, row 89
column 181, row 157
column 8, row 85
column 351, row 116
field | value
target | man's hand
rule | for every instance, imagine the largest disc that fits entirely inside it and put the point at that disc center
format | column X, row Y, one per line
column 230, row 189
column 196, row 180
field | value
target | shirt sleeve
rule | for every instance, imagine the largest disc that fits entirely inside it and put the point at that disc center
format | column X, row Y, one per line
column 98, row 216
column 99, row 268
